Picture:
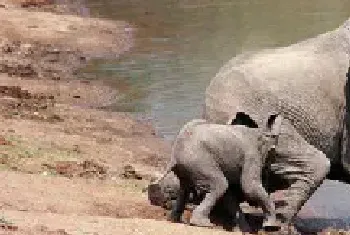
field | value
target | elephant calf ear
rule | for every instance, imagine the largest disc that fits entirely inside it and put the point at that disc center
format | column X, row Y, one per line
column 244, row 119
column 274, row 123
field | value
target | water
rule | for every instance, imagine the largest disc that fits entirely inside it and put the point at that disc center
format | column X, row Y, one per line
column 181, row 44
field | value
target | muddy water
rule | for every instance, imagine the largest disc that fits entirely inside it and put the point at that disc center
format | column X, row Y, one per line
column 180, row 45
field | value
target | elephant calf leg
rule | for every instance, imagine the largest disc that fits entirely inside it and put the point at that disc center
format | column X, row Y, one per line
column 218, row 186
column 179, row 206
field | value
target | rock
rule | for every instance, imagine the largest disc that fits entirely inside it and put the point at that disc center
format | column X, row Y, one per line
column 130, row 173
column 3, row 141
column 6, row 225
column 92, row 169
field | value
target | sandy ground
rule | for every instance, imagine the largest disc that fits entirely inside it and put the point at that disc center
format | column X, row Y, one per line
column 101, row 225
column 67, row 166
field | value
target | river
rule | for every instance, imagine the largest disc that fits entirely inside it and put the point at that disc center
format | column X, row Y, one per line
column 181, row 44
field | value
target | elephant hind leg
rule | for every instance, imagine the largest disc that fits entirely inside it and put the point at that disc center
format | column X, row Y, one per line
column 218, row 185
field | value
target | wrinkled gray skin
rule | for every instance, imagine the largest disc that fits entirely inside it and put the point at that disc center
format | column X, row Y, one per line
column 209, row 157
column 307, row 84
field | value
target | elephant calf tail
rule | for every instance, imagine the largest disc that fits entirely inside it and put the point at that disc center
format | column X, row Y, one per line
column 188, row 127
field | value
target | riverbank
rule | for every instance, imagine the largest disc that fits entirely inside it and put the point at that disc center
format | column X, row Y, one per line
column 61, row 153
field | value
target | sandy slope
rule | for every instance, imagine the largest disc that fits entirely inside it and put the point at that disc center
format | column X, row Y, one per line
column 62, row 157
column 39, row 193
column 78, row 225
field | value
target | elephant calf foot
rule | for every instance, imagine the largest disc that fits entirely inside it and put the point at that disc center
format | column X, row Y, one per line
column 201, row 221
column 271, row 224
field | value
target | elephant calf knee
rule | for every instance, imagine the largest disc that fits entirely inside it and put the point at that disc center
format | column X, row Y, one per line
column 252, row 189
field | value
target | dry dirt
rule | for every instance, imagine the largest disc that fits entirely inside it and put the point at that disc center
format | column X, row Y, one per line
column 67, row 166
column 74, row 225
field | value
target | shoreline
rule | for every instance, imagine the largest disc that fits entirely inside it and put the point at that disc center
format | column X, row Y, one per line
column 54, row 130
column 39, row 82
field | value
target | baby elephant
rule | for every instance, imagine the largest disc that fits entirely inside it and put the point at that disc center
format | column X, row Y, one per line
column 207, row 158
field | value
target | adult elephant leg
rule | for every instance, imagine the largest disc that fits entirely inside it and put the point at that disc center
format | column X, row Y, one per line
column 302, row 166
column 253, row 189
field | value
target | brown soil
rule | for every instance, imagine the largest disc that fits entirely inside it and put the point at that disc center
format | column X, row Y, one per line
column 74, row 225
column 63, row 158
column 75, row 196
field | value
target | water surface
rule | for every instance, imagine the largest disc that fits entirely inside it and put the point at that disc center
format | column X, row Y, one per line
column 181, row 44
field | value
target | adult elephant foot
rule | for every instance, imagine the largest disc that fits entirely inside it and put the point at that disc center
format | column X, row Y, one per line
column 302, row 166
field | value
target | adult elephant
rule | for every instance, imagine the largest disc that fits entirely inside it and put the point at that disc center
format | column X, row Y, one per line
column 306, row 82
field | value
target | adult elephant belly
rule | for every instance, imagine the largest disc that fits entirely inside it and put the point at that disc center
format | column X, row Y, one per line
column 304, row 85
